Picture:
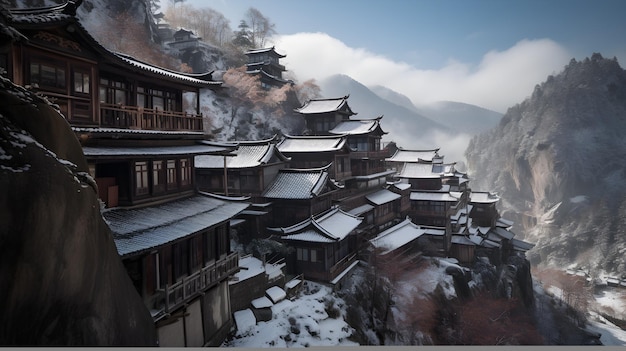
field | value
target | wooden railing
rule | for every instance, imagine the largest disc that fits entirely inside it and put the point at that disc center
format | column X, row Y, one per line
column 340, row 266
column 189, row 287
column 133, row 117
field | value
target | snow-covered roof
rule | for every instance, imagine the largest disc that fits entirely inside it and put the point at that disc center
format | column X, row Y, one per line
column 432, row 196
column 505, row 223
column 357, row 211
column 98, row 130
column 402, row 155
column 315, row 106
column 114, row 151
column 418, row 171
column 503, row 233
column 139, row 229
column 483, row 197
column 401, row 186
column 357, row 127
column 382, row 196
column 330, row 226
column 397, row 236
column 248, row 155
column 434, row 231
column 297, row 184
column 197, row 79
column 264, row 50
column 311, row 143
column 462, row 240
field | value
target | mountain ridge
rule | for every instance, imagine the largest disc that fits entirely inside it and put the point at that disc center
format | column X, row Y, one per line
column 555, row 159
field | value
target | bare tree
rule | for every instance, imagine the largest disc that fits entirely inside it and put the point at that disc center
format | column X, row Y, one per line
column 261, row 28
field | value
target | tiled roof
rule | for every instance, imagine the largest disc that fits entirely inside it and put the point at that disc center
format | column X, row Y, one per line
column 268, row 50
column 418, row 171
column 188, row 78
column 140, row 229
column 330, row 226
column 248, row 155
column 297, row 184
column 432, row 196
column 311, row 143
column 356, row 127
column 314, row 106
column 111, row 151
column 402, row 155
column 462, row 240
column 483, row 197
column 382, row 196
column 99, row 130
column 397, row 236
column 357, row 211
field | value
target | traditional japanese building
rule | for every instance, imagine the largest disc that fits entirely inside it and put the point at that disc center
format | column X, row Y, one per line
column 297, row 194
column 324, row 245
column 322, row 115
column 248, row 171
column 319, row 151
column 266, row 63
column 140, row 129
column 402, row 238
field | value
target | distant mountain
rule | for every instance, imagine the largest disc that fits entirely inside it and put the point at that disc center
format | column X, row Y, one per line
column 458, row 116
column 462, row 117
column 557, row 161
column 406, row 127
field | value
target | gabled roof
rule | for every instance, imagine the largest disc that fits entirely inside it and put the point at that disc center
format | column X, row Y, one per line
column 332, row 226
column 271, row 50
column 483, row 197
column 414, row 170
column 433, row 196
column 249, row 154
column 403, row 155
column 316, row 106
column 397, row 236
column 382, row 197
column 298, row 184
column 358, row 127
column 303, row 144
column 63, row 15
column 141, row 229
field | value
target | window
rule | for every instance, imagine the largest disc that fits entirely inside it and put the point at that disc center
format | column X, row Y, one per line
column 313, row 255
column 48, row 75
column 157, row 99
column 195, row 245
column 185, row 171
column 81, row 82
column 223, row 241
column 158, row 177
column 141, row 178
column 303, row 254
column 113, row 91
column 171, row 174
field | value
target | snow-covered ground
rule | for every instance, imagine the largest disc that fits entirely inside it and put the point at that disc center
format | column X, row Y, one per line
column 302, row 322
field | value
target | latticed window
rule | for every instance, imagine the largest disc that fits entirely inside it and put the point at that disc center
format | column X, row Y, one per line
column 185, row 171
column 141, row 178
column 171, row 174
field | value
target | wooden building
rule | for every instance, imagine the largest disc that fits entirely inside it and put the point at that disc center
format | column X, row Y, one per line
column 140, row 129
column 322, row 115
column 319, row 151
column 324, row 244
column 266, row 63
column 248, row 171
column 297, row 194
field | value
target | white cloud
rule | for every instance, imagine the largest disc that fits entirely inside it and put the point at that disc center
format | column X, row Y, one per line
column 501, row 80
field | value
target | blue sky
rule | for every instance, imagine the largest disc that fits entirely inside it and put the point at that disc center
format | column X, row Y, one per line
column 439, row 50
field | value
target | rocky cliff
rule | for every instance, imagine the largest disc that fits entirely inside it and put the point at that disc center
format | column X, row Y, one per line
column 556, row 159
column 63, row 282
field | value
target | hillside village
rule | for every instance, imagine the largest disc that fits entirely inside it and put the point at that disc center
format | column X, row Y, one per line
column 187, row 213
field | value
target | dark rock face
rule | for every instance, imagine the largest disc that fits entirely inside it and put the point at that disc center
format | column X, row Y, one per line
column 556, row 160
column 63, row 282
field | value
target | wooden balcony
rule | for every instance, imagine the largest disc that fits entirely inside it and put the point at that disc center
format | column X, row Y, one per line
column 133, row 117
column 373, row 155
column 194, row 285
